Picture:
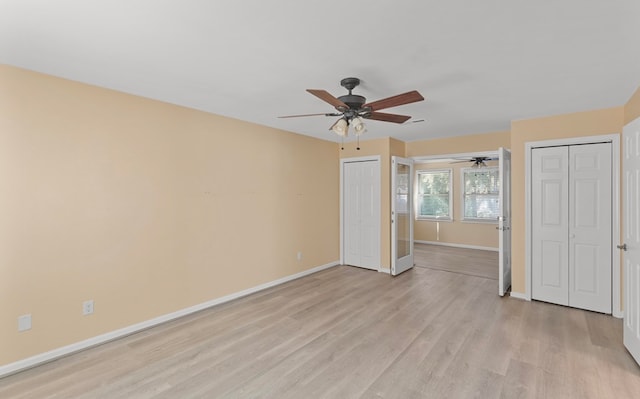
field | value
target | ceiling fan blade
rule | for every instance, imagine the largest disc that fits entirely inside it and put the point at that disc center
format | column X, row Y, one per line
column 466, row 160
column 381, row 116
column 327, row 97
column 400, row 99
column 298, row 116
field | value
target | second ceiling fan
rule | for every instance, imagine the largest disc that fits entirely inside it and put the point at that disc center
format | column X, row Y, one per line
column 352, row 108
column 477, row 162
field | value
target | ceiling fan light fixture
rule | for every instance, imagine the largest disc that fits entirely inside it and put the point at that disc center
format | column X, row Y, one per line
column 341, row 127
column 479, row 164
column 358, row 126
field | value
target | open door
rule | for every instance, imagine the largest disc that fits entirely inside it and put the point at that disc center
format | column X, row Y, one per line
column 401, row 215
column 631, row 245
column 504, row 221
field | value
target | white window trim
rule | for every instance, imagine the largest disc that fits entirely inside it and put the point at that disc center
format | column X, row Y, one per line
column 463, row 218
column 417, row 191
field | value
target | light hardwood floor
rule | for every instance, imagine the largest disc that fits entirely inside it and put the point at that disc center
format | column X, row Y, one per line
column 458, row 260
column 353, row 333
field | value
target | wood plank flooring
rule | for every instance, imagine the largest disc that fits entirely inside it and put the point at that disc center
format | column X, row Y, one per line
column 353, row 333
column 458, row 260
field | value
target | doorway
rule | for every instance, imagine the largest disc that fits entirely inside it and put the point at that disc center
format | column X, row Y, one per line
column 473, row 201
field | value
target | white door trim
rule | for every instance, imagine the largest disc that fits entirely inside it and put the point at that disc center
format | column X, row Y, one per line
column 375, row 158
column 614, row 139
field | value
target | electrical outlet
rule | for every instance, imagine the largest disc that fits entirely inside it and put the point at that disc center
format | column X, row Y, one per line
column 299, row 255
column 87, row 307
column 24, row 322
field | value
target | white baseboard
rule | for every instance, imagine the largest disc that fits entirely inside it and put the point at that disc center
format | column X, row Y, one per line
column 384, row 270
column 519, row 295
column 33, row 361
column 447, row 244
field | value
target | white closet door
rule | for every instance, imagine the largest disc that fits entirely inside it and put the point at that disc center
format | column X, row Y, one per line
column 361, row 218
column 571, row 226
column 550, row 225
column 590, row 227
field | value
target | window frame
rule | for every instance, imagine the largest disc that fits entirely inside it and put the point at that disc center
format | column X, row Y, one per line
column 418, row 195
column 463, row 196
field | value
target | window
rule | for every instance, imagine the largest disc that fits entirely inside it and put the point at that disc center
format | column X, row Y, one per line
column 434, row 194
column 481, row 194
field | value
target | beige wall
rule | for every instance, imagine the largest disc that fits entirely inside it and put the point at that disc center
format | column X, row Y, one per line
column 397, row 147
column 589, row 123
column 145, row 207
column 632, row 108
column 460, row 144
column 456, row 231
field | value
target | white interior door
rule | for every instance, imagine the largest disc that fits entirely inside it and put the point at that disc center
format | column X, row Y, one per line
column 590, row 246
column 401, row 215
column 631, row 246
column 361, row 213
column 550, row 224
column 504, row 221
column 571, row 219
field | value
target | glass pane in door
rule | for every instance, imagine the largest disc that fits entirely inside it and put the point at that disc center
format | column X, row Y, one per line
column 403, row 206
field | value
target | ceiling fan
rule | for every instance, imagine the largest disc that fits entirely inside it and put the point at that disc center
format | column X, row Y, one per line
column 478, row 162
column 352, row 108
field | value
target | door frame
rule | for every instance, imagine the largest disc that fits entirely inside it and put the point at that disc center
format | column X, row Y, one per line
column 614, row 139
column 343, row 161
column 439, row 157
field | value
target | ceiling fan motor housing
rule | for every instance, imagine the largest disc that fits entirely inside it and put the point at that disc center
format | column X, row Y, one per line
column 354, row 101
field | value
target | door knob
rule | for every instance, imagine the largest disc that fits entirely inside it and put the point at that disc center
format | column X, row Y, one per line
column 622, row 247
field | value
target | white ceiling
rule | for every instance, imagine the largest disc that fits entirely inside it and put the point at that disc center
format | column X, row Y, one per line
column 479, row 64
